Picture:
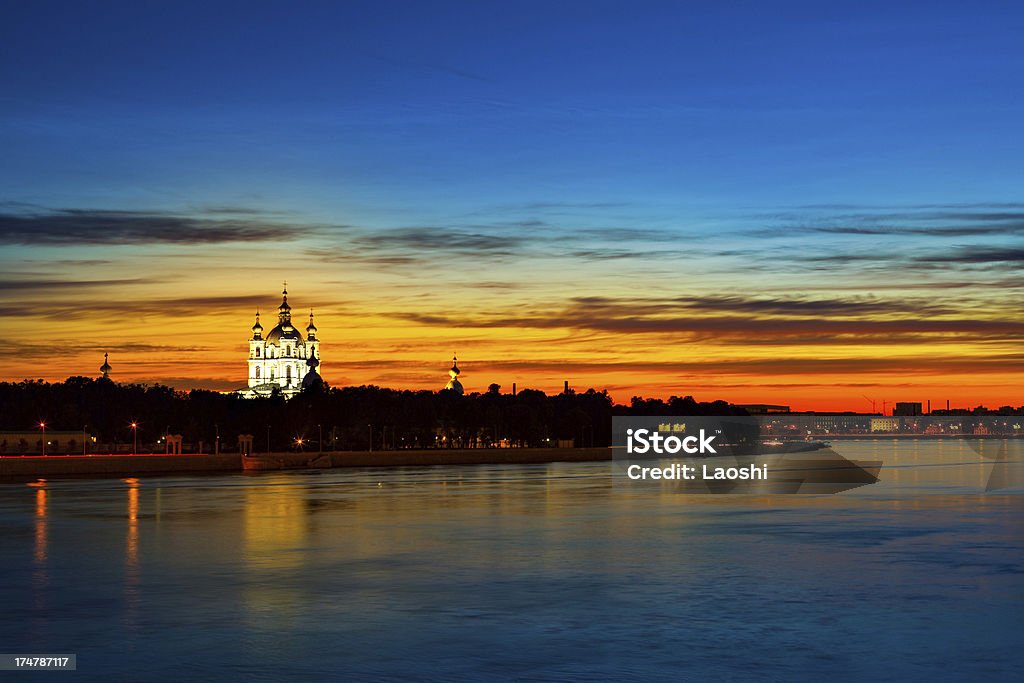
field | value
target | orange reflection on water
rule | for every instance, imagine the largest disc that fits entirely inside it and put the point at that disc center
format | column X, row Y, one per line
column 132, row 545
column 40, row 555
column 40, row 523
column 275, row 529
column 131, row 558
column 274, row 533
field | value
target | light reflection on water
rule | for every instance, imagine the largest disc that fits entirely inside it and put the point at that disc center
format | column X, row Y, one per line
column 529, row 573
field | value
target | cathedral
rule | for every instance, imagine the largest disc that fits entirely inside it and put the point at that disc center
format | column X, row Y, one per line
column 283, row 359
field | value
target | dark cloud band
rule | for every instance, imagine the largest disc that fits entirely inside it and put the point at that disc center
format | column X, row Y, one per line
column 90, row 227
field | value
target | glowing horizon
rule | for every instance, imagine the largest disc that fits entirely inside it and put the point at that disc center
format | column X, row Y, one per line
column 793, row 353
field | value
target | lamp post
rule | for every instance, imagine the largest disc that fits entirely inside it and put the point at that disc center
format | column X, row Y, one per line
column 268, row 439
column 320, row 439
column 84, row 440
column 370, row 427
column 42, row 425
column 135, row 438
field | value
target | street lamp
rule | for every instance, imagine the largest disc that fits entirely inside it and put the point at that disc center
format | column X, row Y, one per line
column 42, row 425
column 320, row 439
column 370, row 427
column 135, row 438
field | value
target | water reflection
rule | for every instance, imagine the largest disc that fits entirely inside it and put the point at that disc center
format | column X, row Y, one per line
column 275, row 537
column 274, row 527
column 39, row 556
column 131, row 557
column 132, row 541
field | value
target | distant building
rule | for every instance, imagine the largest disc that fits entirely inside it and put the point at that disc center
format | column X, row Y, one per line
column 885, row 424
column 907, row 409
column 763, row 408
column 454, row 384
column 284, row 359
column 837, row 423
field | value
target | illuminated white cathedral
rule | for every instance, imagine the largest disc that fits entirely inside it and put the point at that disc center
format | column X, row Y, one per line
column 283, row 359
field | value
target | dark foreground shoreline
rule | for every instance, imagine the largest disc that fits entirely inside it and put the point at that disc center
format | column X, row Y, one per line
column 13, row 469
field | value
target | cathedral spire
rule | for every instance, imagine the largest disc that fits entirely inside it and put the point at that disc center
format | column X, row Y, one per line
column 105, row 368
column 284, row 311
column 257, row 329
column 311, row 328
column 454, row 384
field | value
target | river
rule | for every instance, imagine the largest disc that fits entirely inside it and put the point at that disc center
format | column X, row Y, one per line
column 530, row 573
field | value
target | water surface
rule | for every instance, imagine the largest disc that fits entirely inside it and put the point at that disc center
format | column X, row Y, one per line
column 537, row 572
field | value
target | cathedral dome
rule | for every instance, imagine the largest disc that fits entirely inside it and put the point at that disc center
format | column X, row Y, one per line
column 312, row 380
column 283, row 331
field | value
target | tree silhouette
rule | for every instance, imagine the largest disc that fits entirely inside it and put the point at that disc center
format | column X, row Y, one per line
column 408, row 419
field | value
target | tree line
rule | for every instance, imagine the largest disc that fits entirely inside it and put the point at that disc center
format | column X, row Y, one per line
column 349, row 418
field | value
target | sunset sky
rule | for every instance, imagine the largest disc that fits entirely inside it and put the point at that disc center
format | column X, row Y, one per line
column 796, row 203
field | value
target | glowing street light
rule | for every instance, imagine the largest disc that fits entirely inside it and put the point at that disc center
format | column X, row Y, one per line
column 42, row 425
column 135, row 438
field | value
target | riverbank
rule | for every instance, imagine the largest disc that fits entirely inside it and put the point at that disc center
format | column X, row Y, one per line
column 15, row 468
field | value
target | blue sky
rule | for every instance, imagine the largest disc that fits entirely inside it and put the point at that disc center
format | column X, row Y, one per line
column 445, row 108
